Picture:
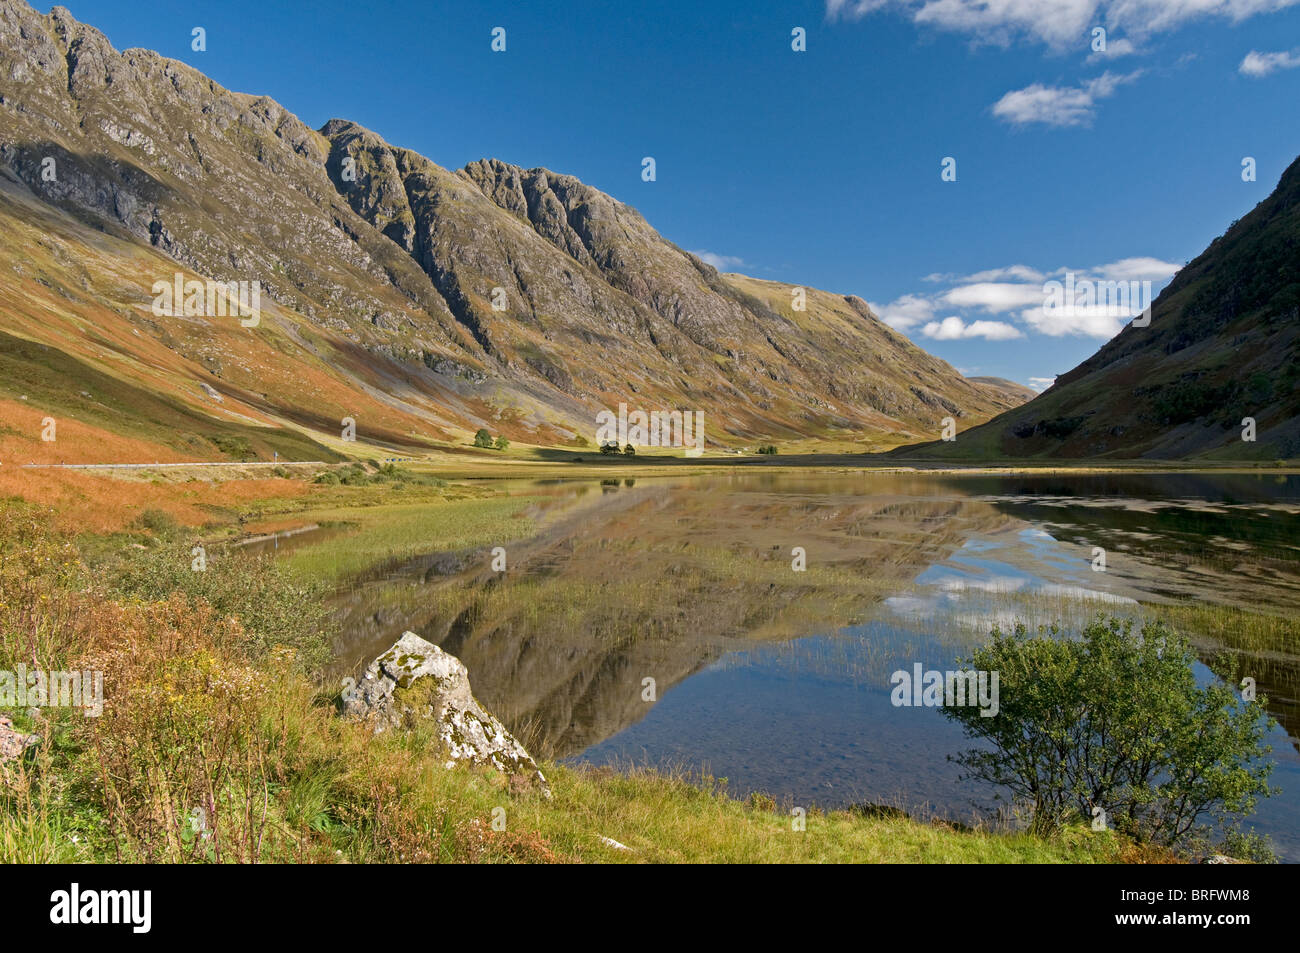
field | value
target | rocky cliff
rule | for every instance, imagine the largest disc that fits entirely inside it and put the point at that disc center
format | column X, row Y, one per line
column 421, row 301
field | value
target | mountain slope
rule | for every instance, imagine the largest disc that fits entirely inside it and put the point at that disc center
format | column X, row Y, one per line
column 1222, row 346
column 432, row 302
column 1013, row 390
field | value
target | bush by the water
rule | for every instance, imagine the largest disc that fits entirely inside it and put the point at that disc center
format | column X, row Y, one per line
column 358, row 474
column 275, row 607
column 1113, row 726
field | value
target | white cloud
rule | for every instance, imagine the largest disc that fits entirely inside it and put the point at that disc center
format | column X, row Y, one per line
column 1136, row 269
column 905, row 312
column 1094, row 321
column 954, row 329
column 720, row 262
column 1120, row 46
column 1059, row 24
column 1098, row 302
column 994, row 297
column 1041, row 384
column 1019, row 272
column 1261, row 64
column 1059, row 105
column 1105, row 298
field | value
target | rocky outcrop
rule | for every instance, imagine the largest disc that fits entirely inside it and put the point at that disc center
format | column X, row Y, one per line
column 547, row 296
column 12, row 742
column 415, row 681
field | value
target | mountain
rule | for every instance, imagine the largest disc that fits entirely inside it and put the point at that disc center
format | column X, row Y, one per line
column 423, row 303
column 1017, row 392
column 1221, row 347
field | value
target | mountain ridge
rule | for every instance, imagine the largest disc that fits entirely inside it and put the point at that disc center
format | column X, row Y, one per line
column 385, row 280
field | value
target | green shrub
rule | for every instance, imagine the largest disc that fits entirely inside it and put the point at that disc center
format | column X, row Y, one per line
column 1189, row 399
column 1058, row 428
column 1248, row 846
column 233, row 446
column 158, row 522
column 1115, row 721
column 355, row 475
column 275, row 607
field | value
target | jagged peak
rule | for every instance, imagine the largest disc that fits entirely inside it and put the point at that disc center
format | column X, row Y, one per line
column 340, row 127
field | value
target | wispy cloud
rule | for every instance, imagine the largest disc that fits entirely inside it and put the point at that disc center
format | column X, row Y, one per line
column 1059, row 24
column 1041, row 384
column 1090, row 321
column 1016, row 272
column 1059, row 105
column 1261, row 64
column 1133, row 269
column 720, row 262
column 1099, row 318
column 1115, row 48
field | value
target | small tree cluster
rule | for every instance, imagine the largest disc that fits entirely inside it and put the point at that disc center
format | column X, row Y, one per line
column 484, row 440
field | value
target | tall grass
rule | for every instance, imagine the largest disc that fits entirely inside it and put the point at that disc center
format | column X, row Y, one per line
column 215, row 745
column 392, row 531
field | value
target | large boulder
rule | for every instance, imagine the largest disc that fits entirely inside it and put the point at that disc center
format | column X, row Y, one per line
column 416, row 681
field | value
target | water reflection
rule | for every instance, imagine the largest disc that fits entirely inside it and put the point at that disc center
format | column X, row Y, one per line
column 690, row 582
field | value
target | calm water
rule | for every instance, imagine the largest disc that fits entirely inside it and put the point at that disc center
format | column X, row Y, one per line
column 778, row 680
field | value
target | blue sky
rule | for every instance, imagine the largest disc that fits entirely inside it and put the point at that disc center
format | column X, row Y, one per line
column 822, row 167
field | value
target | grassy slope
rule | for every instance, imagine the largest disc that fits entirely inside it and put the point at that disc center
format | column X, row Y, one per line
column 896, row 361
column 80, row 342
column 1222, row 345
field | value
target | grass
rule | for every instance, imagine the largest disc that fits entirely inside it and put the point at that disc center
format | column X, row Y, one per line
column 216, row 745
column 670, row 819
column 1239, row 629
column 388, row 532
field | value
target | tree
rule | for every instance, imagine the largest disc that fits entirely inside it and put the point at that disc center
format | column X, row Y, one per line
column 608, row 448
column 502, row 443
column 1115, row 721
column 629, row 451
column 483, row 439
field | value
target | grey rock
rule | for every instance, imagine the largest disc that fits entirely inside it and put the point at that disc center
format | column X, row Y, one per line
column 12, row 742
column 417, row 681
